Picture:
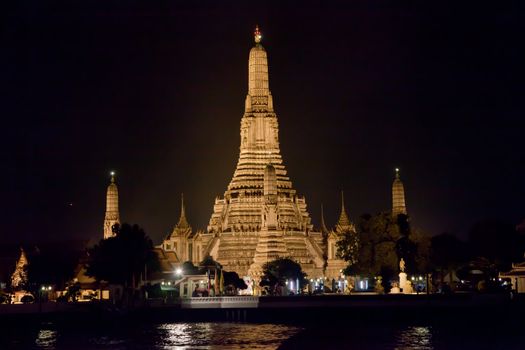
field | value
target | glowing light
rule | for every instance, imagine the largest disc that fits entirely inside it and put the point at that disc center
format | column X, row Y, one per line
column 257, row 34
column 112, row 173
column 178, row 271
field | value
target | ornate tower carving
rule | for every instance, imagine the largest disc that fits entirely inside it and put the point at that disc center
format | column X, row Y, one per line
column 398, row 196
column 112, row 214
column 260, row 216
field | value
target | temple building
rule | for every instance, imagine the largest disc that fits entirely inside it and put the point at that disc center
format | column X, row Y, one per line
column 343, row 226
column 112, row 216
column 260, row 217
column 398, row 196
column 181, row 240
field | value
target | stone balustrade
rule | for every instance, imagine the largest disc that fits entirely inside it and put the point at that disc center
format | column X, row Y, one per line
column 233, row 302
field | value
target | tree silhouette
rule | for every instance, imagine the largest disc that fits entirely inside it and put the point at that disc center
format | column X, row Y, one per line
column 278, row 271
column 382, row 241
column 121, row 259
column 496, row 241
column 447, row 253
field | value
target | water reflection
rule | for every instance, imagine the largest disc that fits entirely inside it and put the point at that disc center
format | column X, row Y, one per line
column 414, row 338
column 46, row 339
column 223, row 335
column 326, row 335
column 158, row 336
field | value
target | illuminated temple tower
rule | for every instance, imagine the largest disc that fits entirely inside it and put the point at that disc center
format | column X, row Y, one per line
column 261, row 217
column 398, row 196
column 112, row 214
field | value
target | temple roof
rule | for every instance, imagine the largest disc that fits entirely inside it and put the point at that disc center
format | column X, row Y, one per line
column 343, row 224
column 343, row 218
column 183, row 222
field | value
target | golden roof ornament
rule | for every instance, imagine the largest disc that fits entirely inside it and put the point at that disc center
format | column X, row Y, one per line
column 257, row 35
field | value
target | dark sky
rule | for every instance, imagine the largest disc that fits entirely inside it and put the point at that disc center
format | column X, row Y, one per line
column 156, row 92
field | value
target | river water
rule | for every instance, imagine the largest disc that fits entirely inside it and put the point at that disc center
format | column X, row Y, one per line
column 217, row 335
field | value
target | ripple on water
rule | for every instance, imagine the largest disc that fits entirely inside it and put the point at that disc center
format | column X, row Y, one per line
column 414, row 338
column 223, row 335
column 46, row 339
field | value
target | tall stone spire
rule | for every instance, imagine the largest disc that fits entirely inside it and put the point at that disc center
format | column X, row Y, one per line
column 183, row 222
column 324, row 229
column 260, row 216
column 259, row 97
column 398, row 196
column 343, row 217
column 112, row 214
column 259, row 147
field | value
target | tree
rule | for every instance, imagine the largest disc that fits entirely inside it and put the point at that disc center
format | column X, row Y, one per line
column 377, row 236
column 52, row 265
column 121, row 259
column 232, row 281
column 278, row 271
column 382, row 240
column 348, row 247
column 496, row 241
column 447, row 253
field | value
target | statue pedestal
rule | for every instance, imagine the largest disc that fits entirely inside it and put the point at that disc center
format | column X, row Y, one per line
column 395, row 290
column 402, row 281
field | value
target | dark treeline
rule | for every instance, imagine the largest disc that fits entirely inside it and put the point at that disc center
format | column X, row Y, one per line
column 380, row 241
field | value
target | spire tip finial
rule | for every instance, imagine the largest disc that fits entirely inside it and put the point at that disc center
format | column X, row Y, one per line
column 397, row 173
column 257, row 34
column 112, row 174
column 182, row 208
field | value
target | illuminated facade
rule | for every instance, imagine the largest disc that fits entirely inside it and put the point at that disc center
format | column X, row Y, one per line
column 398, row 196
column 261, row 216
column 112, row 216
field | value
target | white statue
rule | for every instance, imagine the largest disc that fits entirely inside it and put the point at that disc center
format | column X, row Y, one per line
column 402, row 265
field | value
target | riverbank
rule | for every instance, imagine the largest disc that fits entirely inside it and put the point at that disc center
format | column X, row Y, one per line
column 293, row 309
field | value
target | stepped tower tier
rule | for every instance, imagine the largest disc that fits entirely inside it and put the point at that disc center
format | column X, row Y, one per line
column 240, row 207
column 112, row 216
column 398, row 196
column 260, row 208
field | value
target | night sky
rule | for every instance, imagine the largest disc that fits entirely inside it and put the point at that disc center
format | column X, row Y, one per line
column 156, row 92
